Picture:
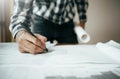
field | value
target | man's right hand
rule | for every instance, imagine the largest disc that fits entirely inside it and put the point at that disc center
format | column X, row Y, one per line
column 31, row 44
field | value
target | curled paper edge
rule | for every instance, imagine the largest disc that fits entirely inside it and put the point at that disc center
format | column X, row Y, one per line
column 111, row 51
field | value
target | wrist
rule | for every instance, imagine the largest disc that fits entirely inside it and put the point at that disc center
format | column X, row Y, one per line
column 19, row 34
column 82, row 24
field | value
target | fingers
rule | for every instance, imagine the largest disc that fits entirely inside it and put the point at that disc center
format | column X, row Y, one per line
column 34, row 40
column 29, row 43
column 42, row 38
column 29, row 47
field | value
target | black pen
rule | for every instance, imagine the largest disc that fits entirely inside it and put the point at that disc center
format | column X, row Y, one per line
column 46, row 50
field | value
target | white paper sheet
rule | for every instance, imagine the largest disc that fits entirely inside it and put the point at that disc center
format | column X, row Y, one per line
column 114, row 44
column 38, row 72
column 79, row 61
column 62, row 55
column 110, row 48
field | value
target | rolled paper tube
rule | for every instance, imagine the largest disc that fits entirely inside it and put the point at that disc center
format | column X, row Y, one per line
column 82, row 35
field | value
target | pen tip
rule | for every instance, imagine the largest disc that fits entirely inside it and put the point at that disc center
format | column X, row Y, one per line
column 46, row 49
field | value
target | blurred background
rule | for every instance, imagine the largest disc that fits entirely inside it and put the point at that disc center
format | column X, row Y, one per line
column 103, row 20
column 5, row 13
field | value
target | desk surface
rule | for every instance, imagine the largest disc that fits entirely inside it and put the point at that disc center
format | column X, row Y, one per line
column 62, row 62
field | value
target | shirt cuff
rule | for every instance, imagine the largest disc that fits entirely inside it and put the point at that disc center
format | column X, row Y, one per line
column 19, row 28
column 83, row 18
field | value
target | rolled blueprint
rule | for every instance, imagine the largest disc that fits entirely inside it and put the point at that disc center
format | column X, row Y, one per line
column 82, row 35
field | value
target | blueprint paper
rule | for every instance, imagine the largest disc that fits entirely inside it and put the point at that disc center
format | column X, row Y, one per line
column 60, row 55
column 40, row 72
column 113, row 43
column 63, row 62
column 110, row 48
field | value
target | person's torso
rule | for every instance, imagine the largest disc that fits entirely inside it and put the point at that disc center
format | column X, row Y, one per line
column 58, row 11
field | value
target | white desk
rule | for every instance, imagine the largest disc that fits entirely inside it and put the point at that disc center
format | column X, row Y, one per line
column 64, row 62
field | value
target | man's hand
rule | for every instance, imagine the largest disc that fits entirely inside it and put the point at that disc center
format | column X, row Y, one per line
column 32, row 44
column 82, row 24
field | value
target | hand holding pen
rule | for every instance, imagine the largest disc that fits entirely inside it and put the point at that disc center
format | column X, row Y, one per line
column 31, row 43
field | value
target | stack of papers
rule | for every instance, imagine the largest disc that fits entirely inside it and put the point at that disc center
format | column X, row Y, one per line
column 110, row 48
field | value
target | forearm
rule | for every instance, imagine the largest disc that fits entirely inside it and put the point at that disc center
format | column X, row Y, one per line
column 20, row 19
column 82, row 6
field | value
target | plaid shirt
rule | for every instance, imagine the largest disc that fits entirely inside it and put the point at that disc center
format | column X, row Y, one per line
column 57, row 11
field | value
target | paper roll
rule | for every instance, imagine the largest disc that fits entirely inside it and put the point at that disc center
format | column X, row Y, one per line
column 82, row 35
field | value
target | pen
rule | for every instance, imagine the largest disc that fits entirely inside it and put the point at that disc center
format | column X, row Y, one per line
column 46, row 50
